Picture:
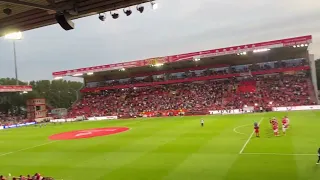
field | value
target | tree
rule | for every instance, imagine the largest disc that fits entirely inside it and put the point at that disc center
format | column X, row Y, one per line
column 58, row 93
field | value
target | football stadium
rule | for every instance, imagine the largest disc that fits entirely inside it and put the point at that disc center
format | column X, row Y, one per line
column 187, row 116
column 246, row 112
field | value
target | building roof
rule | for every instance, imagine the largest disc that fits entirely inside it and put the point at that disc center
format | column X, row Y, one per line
column 23, row 15
column 180, row 58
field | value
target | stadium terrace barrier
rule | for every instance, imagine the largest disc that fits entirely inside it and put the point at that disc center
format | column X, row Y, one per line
column 18, row 125
column 102, row 118
column 296, row 108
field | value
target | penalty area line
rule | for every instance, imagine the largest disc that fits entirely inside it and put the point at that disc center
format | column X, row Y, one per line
column 12, row 152
column 248, row 140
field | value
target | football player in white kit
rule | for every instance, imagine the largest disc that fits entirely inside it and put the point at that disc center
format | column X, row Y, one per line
column 202, row 122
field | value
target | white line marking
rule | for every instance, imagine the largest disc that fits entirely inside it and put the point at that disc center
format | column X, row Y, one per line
column 27, row 148
column 235, row 129
column 246, row 143
column 279, row 154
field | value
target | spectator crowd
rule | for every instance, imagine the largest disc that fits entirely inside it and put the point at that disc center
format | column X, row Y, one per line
column 7, row 119
column 234, row 93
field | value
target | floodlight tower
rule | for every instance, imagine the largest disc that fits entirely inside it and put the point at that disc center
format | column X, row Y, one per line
column 14, row 36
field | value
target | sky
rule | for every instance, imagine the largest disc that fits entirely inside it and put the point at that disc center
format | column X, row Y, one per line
column 177, row 26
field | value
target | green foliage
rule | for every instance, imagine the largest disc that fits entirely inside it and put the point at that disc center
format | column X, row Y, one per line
column 58, row 93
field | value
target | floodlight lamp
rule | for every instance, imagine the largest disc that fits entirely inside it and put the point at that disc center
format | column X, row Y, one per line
column 128, row 12
column 158, row 65
column 90, row 73
column 306, row 45
column 154, row 5
column 294, row 46
column 57, row 78
column 196, row 59
column 298, row 45
column 302, row 45
column 122, row 69
column 14, row 36
column 140, row 8
column 114, row 15
column 79, row 74
column 102, row 17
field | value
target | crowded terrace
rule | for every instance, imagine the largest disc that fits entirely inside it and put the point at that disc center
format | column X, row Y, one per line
column 199, row 90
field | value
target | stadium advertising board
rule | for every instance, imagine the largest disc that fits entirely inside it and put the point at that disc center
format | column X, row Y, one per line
column 234, row 111
column 15, row 88
column 80, row 118
column 296, row 108
column 102, row 118
column 18, row 125
column 292, row 108
column 43, row 119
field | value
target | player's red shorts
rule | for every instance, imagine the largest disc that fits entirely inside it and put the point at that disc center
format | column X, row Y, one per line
column 256, row 130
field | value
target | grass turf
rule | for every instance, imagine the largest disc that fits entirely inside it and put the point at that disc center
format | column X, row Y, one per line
column 175, row 148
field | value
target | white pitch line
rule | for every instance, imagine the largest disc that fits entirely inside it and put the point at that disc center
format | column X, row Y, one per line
column 235, row 129
column 27, row 148
column 279, row 154
column 246, row 143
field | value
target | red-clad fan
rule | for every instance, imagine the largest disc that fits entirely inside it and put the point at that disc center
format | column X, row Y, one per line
column 29, row 177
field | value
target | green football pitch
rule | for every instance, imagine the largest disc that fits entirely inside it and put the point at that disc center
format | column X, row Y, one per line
column 175, row 148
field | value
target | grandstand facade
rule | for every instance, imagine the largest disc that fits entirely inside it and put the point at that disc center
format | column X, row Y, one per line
column 252, row 77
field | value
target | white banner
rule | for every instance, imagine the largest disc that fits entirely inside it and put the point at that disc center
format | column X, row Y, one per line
column 58, row 120
column 234, row 111
column 43, row 119
column 296, row 108
column 1, row 127
column 102, row 118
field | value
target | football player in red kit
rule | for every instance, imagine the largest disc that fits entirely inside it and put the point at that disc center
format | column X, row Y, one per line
column 256, row 129
column 273, row 121
column 287, row 120
column 275, row 129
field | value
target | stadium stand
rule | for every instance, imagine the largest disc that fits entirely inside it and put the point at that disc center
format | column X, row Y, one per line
column 252, row 77
column 256, row 86
column 9, row 119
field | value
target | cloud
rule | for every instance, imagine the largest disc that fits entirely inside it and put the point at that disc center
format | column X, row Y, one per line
column 178, row 26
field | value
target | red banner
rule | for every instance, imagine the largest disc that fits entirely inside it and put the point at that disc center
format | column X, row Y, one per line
column 15, row 88
column 188, row 56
